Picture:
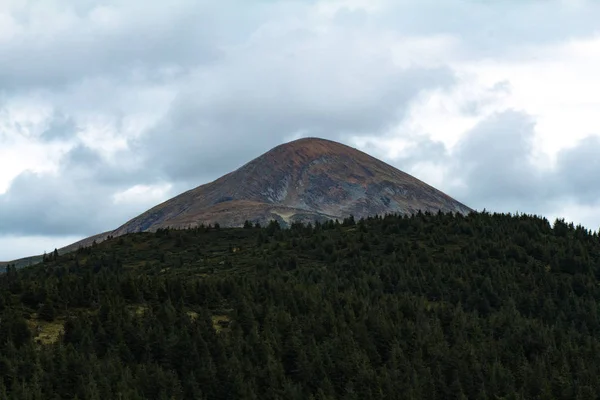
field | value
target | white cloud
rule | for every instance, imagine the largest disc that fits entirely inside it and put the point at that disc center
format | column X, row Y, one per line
column 22, row 121
column 143, row 194
column 557, row 84
column 424, row 51
column 579, row 214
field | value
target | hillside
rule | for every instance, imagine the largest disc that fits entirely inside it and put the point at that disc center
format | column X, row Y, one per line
column 28, row 261
column 305, row 180
column 423, row 307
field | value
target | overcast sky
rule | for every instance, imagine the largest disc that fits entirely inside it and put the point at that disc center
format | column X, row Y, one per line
column 110, row 107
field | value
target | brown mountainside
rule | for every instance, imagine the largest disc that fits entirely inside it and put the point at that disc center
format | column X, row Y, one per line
column 304, row 180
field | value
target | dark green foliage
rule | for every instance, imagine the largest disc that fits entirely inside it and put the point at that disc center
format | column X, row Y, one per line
column 486, row 306
column 47, row 312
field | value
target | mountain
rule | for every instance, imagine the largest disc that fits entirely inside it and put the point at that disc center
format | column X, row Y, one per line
column 304, row 180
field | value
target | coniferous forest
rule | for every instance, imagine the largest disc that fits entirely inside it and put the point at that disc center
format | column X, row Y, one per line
column 485, row 306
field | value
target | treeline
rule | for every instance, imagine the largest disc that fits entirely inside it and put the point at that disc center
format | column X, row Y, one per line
column 485, row 306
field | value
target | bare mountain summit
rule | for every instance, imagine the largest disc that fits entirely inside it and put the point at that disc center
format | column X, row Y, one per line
column 304, row 180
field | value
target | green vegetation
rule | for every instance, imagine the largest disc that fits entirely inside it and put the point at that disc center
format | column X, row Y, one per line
column 487, row 306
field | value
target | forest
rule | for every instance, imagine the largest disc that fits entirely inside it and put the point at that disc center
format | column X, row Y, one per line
column 429, row 306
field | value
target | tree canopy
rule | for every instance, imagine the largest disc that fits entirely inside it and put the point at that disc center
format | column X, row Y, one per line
column 431, row 306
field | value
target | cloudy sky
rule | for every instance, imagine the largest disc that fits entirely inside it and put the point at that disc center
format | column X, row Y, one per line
column 109, row 107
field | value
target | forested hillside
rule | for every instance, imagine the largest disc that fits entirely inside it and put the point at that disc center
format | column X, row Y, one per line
column 484, row 306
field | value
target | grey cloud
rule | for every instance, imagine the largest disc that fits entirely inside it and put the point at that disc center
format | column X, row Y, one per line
column 425, row 149
column 87, row 166
column 578, row 168
column 228, row 115
column 60, row 127
column 76, row 201
column 496, row 28
column 420, row 150
column 494, row 159
column 82, row 157
column 129, row 42
column 48, row 206
column 161, row 40
column 490, row 96
column 145, row 37
column 494, row 162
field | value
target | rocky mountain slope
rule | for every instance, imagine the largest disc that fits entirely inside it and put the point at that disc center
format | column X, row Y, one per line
column 304, row 180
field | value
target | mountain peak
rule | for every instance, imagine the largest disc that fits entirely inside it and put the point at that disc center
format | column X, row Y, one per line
column 304, row 180
column 313, row 145
column 301, row 150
